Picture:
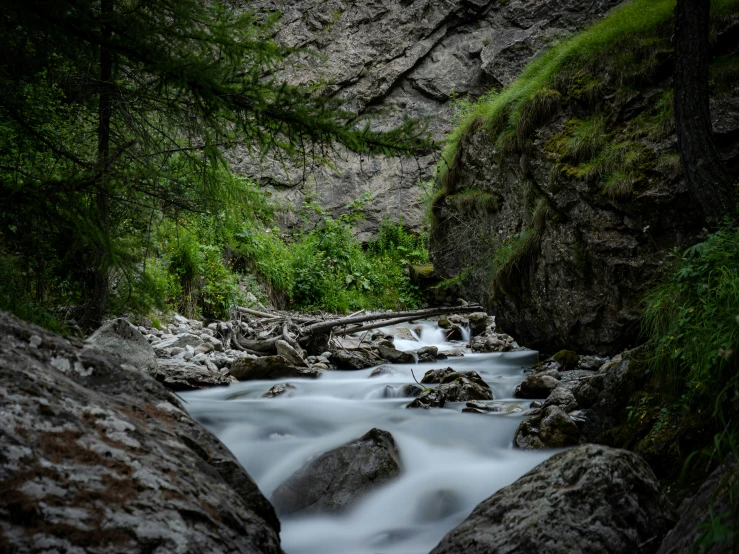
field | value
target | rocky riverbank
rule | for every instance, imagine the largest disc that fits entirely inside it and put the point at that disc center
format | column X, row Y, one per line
column 99, row 456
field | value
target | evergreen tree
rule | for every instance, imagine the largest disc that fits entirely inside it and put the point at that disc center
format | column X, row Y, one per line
column 113, row 109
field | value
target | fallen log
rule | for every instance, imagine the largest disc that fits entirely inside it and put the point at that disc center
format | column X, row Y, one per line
column 408, row 316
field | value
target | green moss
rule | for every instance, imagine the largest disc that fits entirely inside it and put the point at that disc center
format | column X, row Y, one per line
column 725, row 73
column 566, row 358
column 426, row 270
column 471, row 200
column 570, row 68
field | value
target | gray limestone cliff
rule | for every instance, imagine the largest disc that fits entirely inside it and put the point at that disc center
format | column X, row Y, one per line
column 402, row 58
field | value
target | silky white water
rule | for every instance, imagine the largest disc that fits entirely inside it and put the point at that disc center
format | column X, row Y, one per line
column 451, row 460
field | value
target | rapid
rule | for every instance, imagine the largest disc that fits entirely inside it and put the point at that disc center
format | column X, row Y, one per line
column 451, row 460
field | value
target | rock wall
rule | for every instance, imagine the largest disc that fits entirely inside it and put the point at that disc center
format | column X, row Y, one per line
column 560, row 245
column 402, row 58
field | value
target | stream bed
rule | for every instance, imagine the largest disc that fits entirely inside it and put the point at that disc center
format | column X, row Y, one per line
column 451, row 460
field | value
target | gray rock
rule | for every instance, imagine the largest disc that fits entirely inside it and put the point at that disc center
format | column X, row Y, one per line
column 181, row 340
column 382, row 370
column 335, row 480
column 588, row 500
column 405, row 334
column 181, row 376
column 269, row 367
column 455, row 353
column 426, row 359
column 433, row 376
column 479, row 323
column 454, row 387
column 285, row 350
column 537, row 385
column 430, row 350
column 99, row 457
column 354, row 360
column 123, row 339
column 279, row 390
column 561, row 396
column 480, row 407
column 395, row 356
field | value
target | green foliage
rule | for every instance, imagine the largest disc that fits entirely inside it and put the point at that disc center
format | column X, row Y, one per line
column 692, row 320
column 567, row 68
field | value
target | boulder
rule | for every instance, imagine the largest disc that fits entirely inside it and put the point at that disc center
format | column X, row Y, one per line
column 553, row 429
column 335, row 480
column 120, row 337
column 285, row 350
column 454, row 387
column 382, row 370
column 433, row 376
column 567, row 359
column 538, row 385
column 405, row 334
column 269, row 367
column 479, row 323
column 561, row 396
column 588, row 500
column 343, row 359
column 178, row 375
column 395, row 356
column 99, row 457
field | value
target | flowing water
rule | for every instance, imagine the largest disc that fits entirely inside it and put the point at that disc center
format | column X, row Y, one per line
column 451, row 460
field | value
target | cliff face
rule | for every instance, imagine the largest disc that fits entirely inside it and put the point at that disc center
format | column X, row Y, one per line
column 562, row 220
column 402, row 58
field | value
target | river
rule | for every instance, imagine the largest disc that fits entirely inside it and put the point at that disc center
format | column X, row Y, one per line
column 451, row 460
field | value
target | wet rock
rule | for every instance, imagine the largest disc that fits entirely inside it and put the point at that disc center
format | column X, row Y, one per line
column 269, row 367
column 333, row 481
column 204, row 348
column 454, row 387
column 492, row 342
column 455, row 332
column 179, row 375
column 382, row 370
column 433, row 376
column 121, row 338
column 279, row 390
column 561, row 396
column 479, row 323
column 285, row 350
column 99, row 457
column 395, row 356
column 444, row 322
column 479, row 407
column 537, row 385
column 455, row 353
column 552, row 429
column 405, row 334
column 590, row 500
column 432, row 351
column 354, row 360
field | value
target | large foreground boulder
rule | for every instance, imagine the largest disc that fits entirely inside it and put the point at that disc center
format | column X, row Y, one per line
column 98, row 457
column 588, row 500
column 338, row 478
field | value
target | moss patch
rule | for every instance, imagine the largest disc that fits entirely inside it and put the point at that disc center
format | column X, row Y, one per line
column 566, row 358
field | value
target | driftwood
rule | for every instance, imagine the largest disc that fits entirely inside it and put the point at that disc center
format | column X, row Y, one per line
column 314, row 334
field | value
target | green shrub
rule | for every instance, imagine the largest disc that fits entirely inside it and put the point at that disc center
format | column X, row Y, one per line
column 692, row 319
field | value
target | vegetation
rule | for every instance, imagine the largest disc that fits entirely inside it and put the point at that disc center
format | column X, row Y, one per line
column 115, row 117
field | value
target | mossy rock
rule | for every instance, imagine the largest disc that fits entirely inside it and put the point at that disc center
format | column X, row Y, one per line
column 566, row 358
column 444, row 323
column 424, row 271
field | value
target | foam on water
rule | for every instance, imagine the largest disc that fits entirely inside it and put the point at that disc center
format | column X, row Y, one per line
column 451, row 460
